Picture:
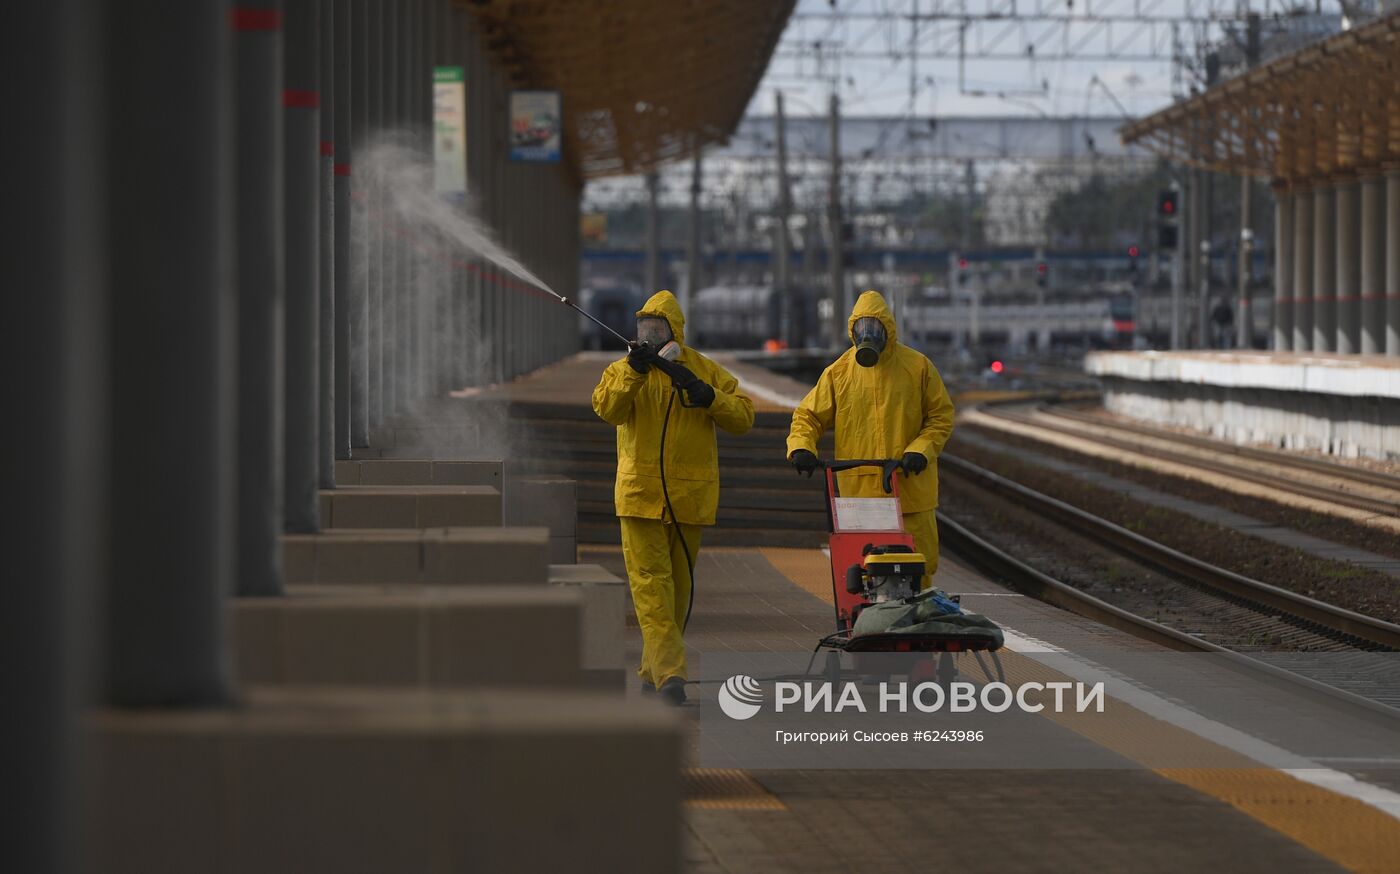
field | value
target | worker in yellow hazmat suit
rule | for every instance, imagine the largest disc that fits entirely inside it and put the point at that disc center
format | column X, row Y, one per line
column 661, row 518
column 885, row 401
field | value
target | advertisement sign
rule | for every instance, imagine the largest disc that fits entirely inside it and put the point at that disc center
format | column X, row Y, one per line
column 593, row 227
column 449, row 132
column 536, row 126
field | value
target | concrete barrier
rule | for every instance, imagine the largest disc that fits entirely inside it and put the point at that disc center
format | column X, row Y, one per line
column 442, row 556
column 419, row 506
column 411, row 636
column 550, row 502
column 350, row 781
column 417, row 472
column 605, row 607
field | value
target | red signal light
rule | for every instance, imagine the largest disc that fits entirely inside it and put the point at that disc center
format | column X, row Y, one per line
column 997, row 367
column 962, row 263
column 1132, row 251
column 1041, row 268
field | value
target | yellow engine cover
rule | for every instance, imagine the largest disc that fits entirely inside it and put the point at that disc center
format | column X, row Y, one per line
column 891, row 563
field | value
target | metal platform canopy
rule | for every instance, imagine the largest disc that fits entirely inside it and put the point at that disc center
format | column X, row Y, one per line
column 641, row 83
column 1331, row 108
column 1324, row 124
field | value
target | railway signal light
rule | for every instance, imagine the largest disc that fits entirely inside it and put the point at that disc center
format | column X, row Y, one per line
column 1132, row 261
column 1166, row 219
column 997, row 367
column 1041, row 273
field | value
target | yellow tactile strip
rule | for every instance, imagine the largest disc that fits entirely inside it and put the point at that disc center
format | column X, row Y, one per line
column 1350, row 833
column 726, row 789
column 808, row 569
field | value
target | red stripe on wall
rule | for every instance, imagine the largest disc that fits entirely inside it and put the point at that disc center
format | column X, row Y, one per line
column 242, row 18
column 342, row 169
column 327, row 148
column 293, row 99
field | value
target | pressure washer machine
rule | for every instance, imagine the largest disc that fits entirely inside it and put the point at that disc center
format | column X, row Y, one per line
column 876, row 572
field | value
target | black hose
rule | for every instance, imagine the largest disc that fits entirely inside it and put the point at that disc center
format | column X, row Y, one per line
column 689, row 562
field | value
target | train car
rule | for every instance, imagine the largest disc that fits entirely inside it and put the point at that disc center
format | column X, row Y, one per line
column 616, row 306
column 734, row 317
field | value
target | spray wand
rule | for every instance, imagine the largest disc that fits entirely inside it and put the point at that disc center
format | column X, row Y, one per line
column 586, row 314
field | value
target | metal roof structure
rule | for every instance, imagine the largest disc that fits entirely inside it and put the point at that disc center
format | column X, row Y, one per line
column 641, row 82
column 1331, row 109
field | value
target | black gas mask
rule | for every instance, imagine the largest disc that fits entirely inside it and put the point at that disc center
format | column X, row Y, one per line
column 868, row 334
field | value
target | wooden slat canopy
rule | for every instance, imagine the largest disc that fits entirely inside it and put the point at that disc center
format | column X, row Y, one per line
column 642, row 82
column 1331, row 109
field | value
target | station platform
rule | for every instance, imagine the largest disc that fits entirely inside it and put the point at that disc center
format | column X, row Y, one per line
column 1344, row 405
column 1262, row 806
column 1261, row 795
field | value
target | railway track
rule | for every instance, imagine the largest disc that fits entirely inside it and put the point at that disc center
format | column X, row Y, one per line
column 1369, row 491
column 1229, row 613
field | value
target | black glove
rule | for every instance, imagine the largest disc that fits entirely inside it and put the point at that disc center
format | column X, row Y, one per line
column 699, row 393
column 804, row 461
column 915, row 462
column 640, row 358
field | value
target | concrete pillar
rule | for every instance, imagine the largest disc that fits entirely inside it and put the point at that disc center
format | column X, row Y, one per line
column 1283, row 268
column 259, row 203
column 1372, row 258
column 389, row 260
column 405, row 390
column 326, row 317
column 1348, row 267
column 349, row 299
column 53, row 341
column 653, row 258
column 301, row 139
column 1392, row 262
column 375, row 25
column 1302, row 270
column 173, row 315
column 1324, row 287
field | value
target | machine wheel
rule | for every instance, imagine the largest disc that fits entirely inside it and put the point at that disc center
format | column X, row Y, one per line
column 923, row 671
column 947, row 670
column 833, row 667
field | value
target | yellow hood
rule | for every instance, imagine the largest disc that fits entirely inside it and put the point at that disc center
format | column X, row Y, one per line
column 664, row 305
column 870, row 303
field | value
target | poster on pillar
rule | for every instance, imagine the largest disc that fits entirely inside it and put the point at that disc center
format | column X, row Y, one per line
column 536, row 126
column 450, row 133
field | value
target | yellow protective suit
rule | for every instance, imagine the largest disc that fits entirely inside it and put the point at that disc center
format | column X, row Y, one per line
column 900, row 405
column 637, row 404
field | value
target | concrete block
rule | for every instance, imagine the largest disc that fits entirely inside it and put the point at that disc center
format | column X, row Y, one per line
column 436, row 556
column 347, row 472
column 307, row 779
column 467, row 473
column 410, row 636
column 420, row 471
column 460, row 507
column 298, row 557
column 605, row 609
column 341, row 508
column 506, row 636
column 352, row 556
column 548, row 501
column 563, row 550
column 486, row 556
column 422, row 506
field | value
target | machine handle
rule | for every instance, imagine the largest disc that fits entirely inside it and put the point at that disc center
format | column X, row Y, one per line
column 887, row 465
